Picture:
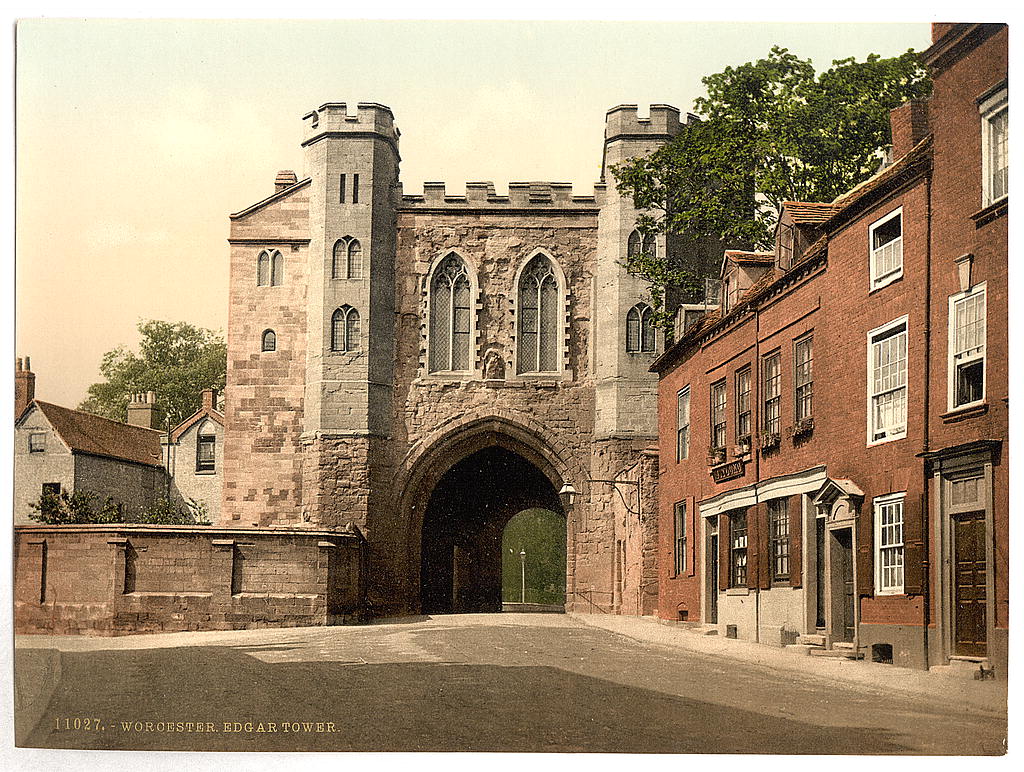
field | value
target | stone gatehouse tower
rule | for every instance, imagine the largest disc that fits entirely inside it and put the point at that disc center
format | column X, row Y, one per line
column 425, row 366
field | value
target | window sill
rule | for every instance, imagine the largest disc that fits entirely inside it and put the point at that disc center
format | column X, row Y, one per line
column 738, row 591
column 885, row 282
column 206, row 471
column 884, row 440
column 991, row 212
column 964, row 412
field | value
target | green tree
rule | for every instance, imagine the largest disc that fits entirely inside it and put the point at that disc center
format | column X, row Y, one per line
column 176, row 360
column 772, row 131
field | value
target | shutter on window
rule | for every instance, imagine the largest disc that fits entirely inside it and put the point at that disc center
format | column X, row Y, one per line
column 724, row 554
column 913, row 545
column 864, row 530
column 796, row 540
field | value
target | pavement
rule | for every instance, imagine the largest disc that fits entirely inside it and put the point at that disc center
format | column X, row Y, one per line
column 985, row 696
column 486, row 682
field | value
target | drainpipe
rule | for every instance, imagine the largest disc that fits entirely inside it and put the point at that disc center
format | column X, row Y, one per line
column 926, row 594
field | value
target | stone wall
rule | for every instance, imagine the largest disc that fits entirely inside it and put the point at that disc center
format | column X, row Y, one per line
column 112, row 580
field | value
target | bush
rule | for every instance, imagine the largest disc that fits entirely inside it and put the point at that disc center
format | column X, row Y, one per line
column 74, row 508
column 81, row 507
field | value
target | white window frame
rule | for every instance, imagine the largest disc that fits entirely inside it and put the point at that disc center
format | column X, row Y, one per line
column 990, row 109
column 877, row 282
column 683, row 440
column 896, row 546
column 680, row 514
column 954, row 359
column 872, row 336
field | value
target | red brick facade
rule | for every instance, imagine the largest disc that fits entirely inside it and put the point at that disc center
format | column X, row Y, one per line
column 836, row 472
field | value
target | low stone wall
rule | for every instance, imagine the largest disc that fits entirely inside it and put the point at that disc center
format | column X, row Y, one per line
column 113, row 580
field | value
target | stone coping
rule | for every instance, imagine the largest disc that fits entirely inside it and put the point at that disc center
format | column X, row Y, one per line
column 203, row 530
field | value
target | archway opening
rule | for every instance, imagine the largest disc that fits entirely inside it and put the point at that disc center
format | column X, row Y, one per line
column 533, row 560
column 463, row 525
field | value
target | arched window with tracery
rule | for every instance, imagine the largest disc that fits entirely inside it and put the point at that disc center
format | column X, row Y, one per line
column 638, row 243
column 347, row 261
column 269, row 342
column 450, row 316
column 269, row 268
column 345, row 329
column 640, row 329
column 538, row 327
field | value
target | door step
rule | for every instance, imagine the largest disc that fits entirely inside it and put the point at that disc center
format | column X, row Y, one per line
column 812, row 639
column 976, row 668
column 837, row 653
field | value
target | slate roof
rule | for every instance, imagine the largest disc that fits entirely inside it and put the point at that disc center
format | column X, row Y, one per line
column 96, row 436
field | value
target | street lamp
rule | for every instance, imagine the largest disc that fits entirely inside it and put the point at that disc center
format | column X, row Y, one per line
column 522, row 566
column 567, row 495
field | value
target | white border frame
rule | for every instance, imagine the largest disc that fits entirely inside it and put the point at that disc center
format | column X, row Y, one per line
column 988, row 110
column 869, row 405
column 982, row 288
column 875, row 282
column 876, row 504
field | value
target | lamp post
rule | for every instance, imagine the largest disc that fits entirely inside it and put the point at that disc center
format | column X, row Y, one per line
column 522, row 566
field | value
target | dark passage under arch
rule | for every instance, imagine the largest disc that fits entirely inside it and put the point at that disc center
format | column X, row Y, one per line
column 461, row 557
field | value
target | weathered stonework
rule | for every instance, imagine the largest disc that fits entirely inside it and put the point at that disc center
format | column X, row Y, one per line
column 320, row 437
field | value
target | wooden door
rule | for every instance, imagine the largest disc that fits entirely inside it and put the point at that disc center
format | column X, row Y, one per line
column 971, row 602
column 841, row 579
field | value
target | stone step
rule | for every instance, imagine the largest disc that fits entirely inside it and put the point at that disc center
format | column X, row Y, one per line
column 812, row 639
column 800, row 649
column 705, row 630
column 836, row 653
column 843, row 645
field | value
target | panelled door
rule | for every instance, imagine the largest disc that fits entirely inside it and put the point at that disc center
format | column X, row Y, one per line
column 969, row 576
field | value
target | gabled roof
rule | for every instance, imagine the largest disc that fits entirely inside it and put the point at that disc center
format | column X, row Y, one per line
column 277, row 194
column 96, row 436
column 214, row 415
column 807, row 212
column 742, row 257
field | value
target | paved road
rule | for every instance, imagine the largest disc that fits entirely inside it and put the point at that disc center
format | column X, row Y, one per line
column 480, row 683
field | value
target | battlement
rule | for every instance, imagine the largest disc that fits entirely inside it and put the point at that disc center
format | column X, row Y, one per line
column 333, row 118
column 622, row 120
column 521, row 195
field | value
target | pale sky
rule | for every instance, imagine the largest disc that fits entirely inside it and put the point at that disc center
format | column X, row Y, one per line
column 136, row 139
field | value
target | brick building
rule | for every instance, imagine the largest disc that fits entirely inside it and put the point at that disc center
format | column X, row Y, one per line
column 425, row 366
column 833, row 438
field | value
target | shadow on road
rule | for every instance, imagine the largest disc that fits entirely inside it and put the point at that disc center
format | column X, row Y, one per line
column 402, row 707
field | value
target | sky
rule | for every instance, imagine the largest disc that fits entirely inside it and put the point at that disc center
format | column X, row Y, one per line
column 135, row 139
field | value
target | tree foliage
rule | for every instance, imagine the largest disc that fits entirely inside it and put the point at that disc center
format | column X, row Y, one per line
column 176, row 360
column 772, row 131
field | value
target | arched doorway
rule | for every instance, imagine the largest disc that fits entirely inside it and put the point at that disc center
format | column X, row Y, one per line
column 465, row 517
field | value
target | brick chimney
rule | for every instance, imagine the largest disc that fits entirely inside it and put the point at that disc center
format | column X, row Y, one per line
column 909, row 124
column 285, row 179
column 24, row 386
column 143, row 410
column 209, row 399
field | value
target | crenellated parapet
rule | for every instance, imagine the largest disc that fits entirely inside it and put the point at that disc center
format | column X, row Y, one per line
column 333, row 118
column 521, row 195
column 663, row 123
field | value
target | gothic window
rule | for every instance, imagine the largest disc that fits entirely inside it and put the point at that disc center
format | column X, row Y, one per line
column 640, row 329
column 538, row 327
column 638, row 243
column 276, row 269
column 269, row 341
column 634, row 245
column 345, row 329
column 347, row 262
column 450, row 316
column 263, row 269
